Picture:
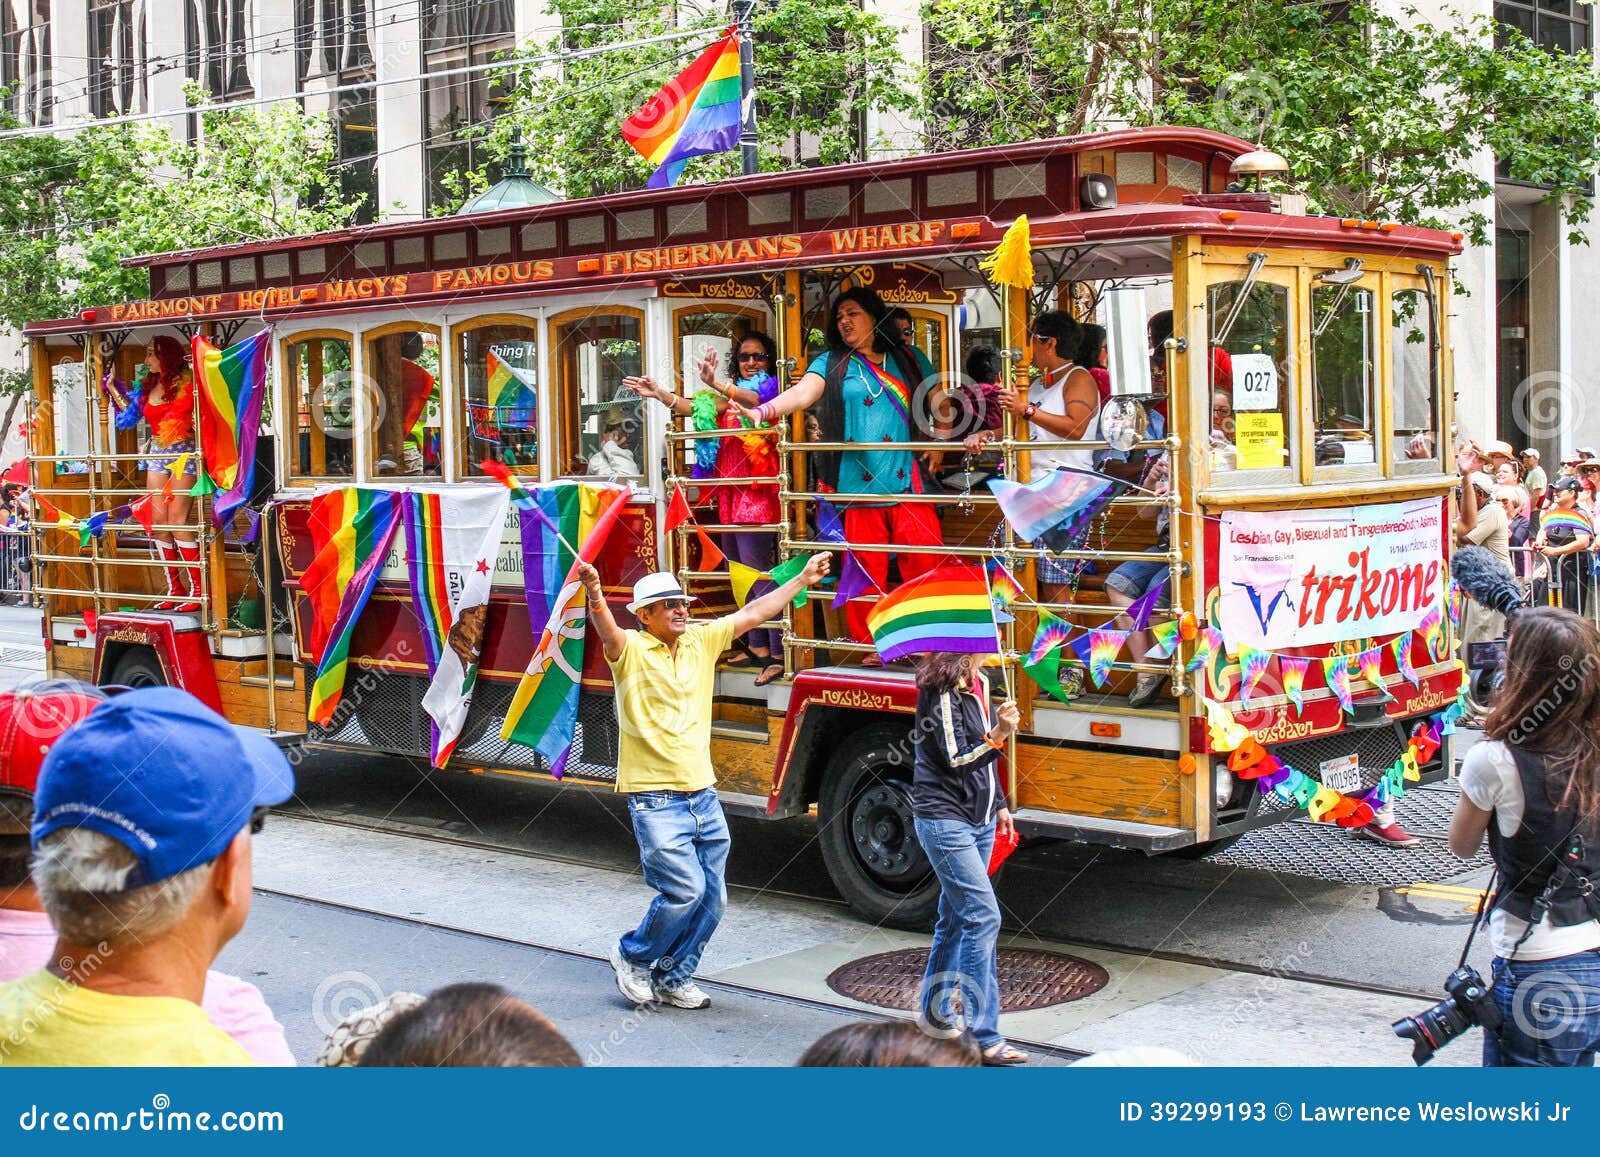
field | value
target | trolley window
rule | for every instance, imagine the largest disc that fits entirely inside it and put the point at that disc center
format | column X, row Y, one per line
column 602, row 432
column 499, row 374
column 1413, row 365
column 1344, row 368
column 402, row 372
column 320, row 407
column 1248, row 371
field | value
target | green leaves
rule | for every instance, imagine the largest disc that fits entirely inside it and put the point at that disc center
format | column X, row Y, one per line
column 72, row 208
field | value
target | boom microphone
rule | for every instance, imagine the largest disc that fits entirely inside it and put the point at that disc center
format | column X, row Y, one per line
column 1487, row 580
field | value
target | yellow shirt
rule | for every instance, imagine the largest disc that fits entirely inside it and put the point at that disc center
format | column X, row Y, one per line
column 46, row 1021
column 664, row 708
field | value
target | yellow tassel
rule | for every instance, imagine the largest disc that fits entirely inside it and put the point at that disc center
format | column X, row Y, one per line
column 1012, row 262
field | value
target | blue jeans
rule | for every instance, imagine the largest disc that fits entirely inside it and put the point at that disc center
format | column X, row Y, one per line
column 967, row 936
column 1551, row 1010
column 683, row 848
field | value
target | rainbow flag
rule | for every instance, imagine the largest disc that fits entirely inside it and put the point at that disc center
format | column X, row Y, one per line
column 947, row 609
column 507, row 386
column 694, row 114
column 351, row 530
column 1573, row 520
column 452, row 544
column 232, row 385
column 544, row 711
column 892, row 387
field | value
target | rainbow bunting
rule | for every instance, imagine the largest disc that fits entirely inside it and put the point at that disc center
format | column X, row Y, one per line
column 1402, row 659
column 1293, row 673
column 1432, row 626
column 1336, row 673
column 1166, row 637
column 351, row 530
column 947, row 609
column 694, row 114
column 1370, row 663
column 854, row 581
column 452, row 543
column 741, row 578
column 788, row 569
column 232, row 384
column 1052, row 632
column 1098, row 650
column 1004, row 589
column 1207, row 644
column 544, row 710
column 1047, row 673
column 1140, row 609
column 1253, row 664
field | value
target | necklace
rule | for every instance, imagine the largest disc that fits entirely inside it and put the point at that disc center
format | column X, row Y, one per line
column 872, row 379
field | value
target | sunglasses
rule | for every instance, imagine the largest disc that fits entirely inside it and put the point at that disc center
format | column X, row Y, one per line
column 258, row 820
column 672, row 604
column 753, row 357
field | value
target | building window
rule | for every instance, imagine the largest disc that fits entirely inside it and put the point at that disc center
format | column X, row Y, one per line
column 334, row 51
column 1556, row 25
column 217, row 37
column 460, row 34
column 117, row 57
column 25, row 59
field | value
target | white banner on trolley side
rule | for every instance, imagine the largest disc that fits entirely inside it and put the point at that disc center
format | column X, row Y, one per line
column 1307, row 577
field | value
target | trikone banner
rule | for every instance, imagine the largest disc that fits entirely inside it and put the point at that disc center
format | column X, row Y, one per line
column 694, row 114
column 452, row 539
column 232, row 385
column 351, row 530
column 544, row 711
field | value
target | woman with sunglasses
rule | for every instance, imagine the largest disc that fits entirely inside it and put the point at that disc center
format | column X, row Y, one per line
column 748, row 455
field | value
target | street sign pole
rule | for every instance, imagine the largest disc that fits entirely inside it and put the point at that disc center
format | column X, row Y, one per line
column 744, row 15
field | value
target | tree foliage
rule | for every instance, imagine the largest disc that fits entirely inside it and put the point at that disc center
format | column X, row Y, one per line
column 1380, row 113
column 71, row 208
column 818, row 63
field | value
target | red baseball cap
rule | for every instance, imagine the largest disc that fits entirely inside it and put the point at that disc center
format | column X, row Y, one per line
column 31, row 719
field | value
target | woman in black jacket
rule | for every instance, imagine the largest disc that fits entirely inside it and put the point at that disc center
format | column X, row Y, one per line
column 958, row 805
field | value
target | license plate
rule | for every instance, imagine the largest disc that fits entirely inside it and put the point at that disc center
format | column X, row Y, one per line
column 1342, row 774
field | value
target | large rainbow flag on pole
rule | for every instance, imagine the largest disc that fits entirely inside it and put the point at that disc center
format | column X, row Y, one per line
column 694, row 114
column 351, row 530
column 232, row 385
column 452, row 543
column 947, row 609
column 544, row 711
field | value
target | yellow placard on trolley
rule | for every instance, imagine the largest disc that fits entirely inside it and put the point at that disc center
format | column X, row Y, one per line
column 1258, row 437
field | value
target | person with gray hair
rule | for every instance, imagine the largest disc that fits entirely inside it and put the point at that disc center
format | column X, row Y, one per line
column 143, row 818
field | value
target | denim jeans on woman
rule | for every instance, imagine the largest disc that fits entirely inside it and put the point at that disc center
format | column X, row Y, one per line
column 1551, row 1010
column 683, row 848
column 967, row 936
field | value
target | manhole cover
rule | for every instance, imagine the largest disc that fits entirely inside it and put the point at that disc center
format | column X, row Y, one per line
column 1028, row 979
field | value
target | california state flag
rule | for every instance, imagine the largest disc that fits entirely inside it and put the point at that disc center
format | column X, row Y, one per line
column 452, row 541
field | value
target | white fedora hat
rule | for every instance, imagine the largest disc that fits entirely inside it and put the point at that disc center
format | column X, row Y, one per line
column 655, row 588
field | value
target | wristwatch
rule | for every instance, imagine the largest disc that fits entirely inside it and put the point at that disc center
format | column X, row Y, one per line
column 1029, row 410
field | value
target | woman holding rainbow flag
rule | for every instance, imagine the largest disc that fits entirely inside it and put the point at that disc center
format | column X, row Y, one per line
column 165, row 398
column 862, row 389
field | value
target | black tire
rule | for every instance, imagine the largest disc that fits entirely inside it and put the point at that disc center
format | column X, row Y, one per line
column 138, row 667
column 868, row 842
column 1201, row 851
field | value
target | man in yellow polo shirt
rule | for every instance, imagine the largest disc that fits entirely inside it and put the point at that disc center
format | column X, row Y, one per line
column 665, row 675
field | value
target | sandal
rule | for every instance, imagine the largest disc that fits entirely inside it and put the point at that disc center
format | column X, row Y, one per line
column 768, row 674
column 1003, row 1055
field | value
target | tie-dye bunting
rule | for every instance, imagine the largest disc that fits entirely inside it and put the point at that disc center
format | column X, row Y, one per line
column 1337, row 675
column 1052, row 632
column 1253, row 664
column 1292, row 672
column 1402, row 659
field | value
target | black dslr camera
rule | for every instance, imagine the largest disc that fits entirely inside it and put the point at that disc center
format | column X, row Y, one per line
column 1469, row 1003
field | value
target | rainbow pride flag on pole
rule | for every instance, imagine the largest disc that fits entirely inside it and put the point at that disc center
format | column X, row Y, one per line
column 452, row 543
column 947, row 609
column 351, row 530
column 694, row 114
column 544, row 711
column 232, row 385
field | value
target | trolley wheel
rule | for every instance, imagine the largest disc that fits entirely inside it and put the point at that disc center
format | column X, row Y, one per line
column 1202, row 850
column 869, row 845
column 138, row 667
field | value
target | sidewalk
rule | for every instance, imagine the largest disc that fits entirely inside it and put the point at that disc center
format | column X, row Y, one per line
column 21, row 647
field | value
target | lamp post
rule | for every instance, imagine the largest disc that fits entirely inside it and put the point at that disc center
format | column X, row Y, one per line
column 744, row 18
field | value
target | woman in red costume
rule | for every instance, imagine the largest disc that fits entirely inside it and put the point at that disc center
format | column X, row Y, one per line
column 167, row 396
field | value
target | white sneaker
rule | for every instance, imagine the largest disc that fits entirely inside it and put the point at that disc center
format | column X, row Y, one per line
column 688, row 995
column 632, row 981
column 1146, row 690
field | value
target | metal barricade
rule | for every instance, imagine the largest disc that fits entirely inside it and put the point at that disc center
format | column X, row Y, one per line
column 16, row 564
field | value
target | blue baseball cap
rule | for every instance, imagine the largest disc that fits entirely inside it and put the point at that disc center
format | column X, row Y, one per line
column 162, row 774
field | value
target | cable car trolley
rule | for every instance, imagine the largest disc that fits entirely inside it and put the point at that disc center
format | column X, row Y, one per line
column 1223, row 604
